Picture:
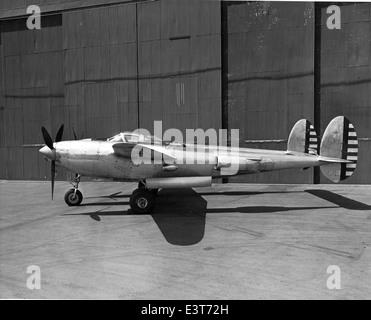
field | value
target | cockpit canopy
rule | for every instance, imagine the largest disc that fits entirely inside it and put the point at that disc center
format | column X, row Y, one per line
column 131, row 137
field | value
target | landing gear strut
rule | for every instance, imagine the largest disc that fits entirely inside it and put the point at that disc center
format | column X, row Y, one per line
column 73, row 197
column 143, row 200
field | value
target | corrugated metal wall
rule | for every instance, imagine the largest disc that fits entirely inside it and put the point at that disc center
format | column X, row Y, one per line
column 346, row 78
column 281, row 67
column 2, row 120
column 111, row 68
column 270, row 75
column 108, row 69
column 32, row 63
column 100, row 70
column 13, row 8
column 180, row 64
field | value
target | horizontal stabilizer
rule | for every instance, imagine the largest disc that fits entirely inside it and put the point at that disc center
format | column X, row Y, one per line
column 334, row 160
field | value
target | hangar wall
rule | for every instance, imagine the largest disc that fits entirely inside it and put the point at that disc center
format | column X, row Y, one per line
column 270, row 75
column 258, row 67
column 33, row 95
column 179, row 51
column 345, row 79
column 14, row 8
column 285, row 64
column 108, row 69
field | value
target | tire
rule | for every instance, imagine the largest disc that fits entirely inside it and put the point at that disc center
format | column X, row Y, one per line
column 71, row 199
column 142, row 201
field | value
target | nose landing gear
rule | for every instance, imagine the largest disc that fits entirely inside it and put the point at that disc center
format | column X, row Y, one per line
column 73, row 197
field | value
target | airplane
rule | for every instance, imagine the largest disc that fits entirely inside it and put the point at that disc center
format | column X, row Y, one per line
column 111, row 158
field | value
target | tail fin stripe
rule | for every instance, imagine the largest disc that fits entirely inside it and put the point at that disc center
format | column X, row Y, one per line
column 351, row 169
column 313, row 139
column 351, row 150
column 351, row 154
column 345, row 150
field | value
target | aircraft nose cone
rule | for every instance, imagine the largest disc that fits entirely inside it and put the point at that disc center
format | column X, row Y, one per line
column 46, row 152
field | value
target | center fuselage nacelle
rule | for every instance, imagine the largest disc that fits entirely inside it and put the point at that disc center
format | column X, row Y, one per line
column 98, row 159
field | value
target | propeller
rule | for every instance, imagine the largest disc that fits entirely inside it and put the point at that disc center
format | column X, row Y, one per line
column 76, row 137
column 52, row 156
column 74, row 133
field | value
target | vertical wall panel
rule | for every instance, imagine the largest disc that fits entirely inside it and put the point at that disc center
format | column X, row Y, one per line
column 2, row 120
column 180, row 64
column 3, row 150
column 33, row 62
column 100, row 68
column 270, row 75
column 346, row 79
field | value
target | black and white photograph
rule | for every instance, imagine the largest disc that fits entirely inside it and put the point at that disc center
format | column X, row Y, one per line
column 185, row 154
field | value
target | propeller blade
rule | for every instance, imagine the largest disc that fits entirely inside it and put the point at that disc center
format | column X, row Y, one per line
column 58, row 137
column 47, row 138
column 74, row 133
column 53, row 177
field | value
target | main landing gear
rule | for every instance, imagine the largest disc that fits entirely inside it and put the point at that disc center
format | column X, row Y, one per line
column 143, row 200
column 73, row 197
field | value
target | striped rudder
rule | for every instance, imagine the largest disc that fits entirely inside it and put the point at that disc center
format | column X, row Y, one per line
column 351, row 150
column 313, row 139
column 303, row 138
column 340, row 141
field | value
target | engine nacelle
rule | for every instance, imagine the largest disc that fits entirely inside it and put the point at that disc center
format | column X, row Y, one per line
column 178, row 182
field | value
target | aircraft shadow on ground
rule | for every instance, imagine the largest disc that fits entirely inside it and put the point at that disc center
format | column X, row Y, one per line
column 180, row 214
column 339, row 200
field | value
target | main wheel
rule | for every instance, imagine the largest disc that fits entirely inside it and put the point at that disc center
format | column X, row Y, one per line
column 142, row 201
column 73, row 199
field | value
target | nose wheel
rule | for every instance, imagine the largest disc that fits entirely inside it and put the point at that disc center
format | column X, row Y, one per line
column 73, row 197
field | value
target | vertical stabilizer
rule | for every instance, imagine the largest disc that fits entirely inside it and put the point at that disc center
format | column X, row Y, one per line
column 339, row 141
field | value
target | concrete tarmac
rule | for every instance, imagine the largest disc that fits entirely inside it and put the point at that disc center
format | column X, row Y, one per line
column 231, row 241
